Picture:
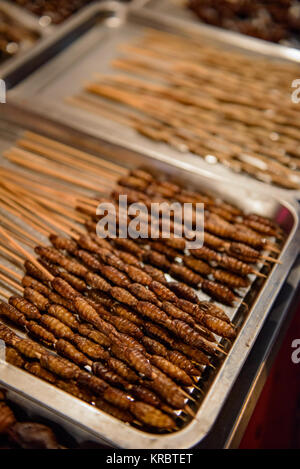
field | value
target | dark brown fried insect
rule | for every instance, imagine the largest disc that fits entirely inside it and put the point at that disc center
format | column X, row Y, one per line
column 183, row 362
column 123, row 296
column 50, row 266
column 156, row 274
column 177, row 313
column 152, row 312
column 36, row 273
column 53, row 255
column 28, row 348
column 157, row 259
column 262, row 228
column 243, row 252
column 64, row 288
column 36, row 298
column 31, row 282
column 58, row 328
column 213, row 310
column 205, row 253
column 185, row 274
column 69, row 351
column 72, row 388
column 63, row 243
column 167, row 389
column 115, row 276
column 145, row 395
column 138, row 275
column 219, row 292
column 101, row 298
column 40, row 333
column 89, row 348
column 121, row 369
column 176, row 243
column 88, row 259
column 35, row 369
column 75, row 282
column 141, row 174
column 57, row 299
column 191, row 337
column 171, row 370
column 88, row 331
column 103, row 243
column 117, row 397
column 89, row 314
column 129, row 246
column 106, row 255
column 59, row 366
column 151, row 416
column 13, row 357
column 95, row 281
column 234, row 265
column 12, row 314
column 61, row 313
column 126, row 313
column 230, row 279
column 92, row 383
column 164, row 249
column 128, row 258
column 197, row 265
column 133, row 182
column 163, row 292
column 134, row 358
column 213, row 242
column 219, row 327
column 183, row 291
column 155, row 347
column 119, row 414
column 108, row 375
column 142, row 293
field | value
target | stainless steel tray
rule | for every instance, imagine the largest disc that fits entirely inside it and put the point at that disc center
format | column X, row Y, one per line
column 90, row 42
column 95, row 425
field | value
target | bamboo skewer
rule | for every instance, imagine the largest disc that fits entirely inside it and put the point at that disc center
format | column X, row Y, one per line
column 11, row 254
column 11, row 272
column 10, row 282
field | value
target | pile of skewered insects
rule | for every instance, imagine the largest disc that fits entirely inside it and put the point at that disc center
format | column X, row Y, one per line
column 219, row 104
column 126, row 325
column 23, row 434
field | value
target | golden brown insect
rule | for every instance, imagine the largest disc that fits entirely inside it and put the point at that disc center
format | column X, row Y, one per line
column 121, row 369
column 75, row 282
column 165, row 249
column 138, row 275
column 173, row 371
column 167, row 389
column 34, row 272
column 108, row 375
column 68, row 350
column 157, row 259
column 14, row 357
column 145, row 395
column 128, row 258
column 119, row 414
column 230, row 279
column 55, row 256
column 88, row 331
column 219, row 292
column 191, row 337
column 31, row 282
column 183, row 362
column 89, row 314
column 219, row 327
column 155, row 347
column 152, row 312
column 35, row 369
column 89, row 348
column 42, row 334
column 63, row 243
column 106, row 255
column 185, row 274
column 176, row 243
column 88, row 259
column 155, row 273
column 8, row 336
column 197, row 265
column 125, row 326
column 115, row 276
column 59, row 366
column 123, row 296
column 91, row 382
column 134, row 358
column 36, row 298
column 133, row 182
column 64, row 288
column 197, row 315
column 177, row 313
column 28, row 348
column 234, row 265
column 151, row 416
column 95, row 281
column 58, row 328
column 52, row 268
column 163, row 292
column 141, row 174
column 126, row 313
column 129, row 246
column 263, row 220
column 213, row 242
column 213, row 310
column 183, row 291
column 243, row 252
column 260, row 227
column 58, row 299
column 100, row 241
column 205, row 253
column 61, row 313
column 142, row 293
column 101, row 298
column 117, row 397
column 12, row 314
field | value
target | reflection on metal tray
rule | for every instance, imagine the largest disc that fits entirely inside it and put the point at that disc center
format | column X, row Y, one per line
column 101, row 427
column 90, row 42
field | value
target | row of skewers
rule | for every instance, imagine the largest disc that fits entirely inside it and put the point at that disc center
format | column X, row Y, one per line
column 218, row 104
column 130, row 332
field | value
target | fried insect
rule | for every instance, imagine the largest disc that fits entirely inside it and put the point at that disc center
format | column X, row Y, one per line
column 119, row 414
column 31, row 282
column 155, row 273
column 145, row 395
column 89, row 348
column 121, row 369
column 138, row 275
column 92, row 383
column 243, row 252
column 162, row 292
column 213, row 310
column 34, row 272
column 58, row 328
column 89, row 314
column 157, row 259
column 133, row 182
column 126, row 313
column 151, row 416
column 64, row 288
column 108, row 375
column 72, row 388
column 123, row 296
column 37, row 370
column 167, row 389
column 72, row 353
column 88, row 331
column 173, row 371
column 28, row 348
column 230, row 279
column 64, row 315
column 219, row 292
column 95, row 281
column 63, row 243
column 13, row 357
column 75, row 282
column 143, row 293
column 183, row 291
column 36, row 298
column 219, row 327
column 129, row 246
column 128, row 258
column 154, row 347
column 115, row 276
column 59, row 366
column 177, row 313
column 187, row 275
column 197, row 265
column 134, row 358
column 183, row 362
column 42, row 334
column 12, row 314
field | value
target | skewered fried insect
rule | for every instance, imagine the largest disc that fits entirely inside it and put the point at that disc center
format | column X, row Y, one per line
column 185, row 274
column 205, row 253
column 128, row 258
column 72, row 388
column 145, row 395
column 63, row 243
column 31, row 282
column 58, row 328
column 133, row 182
column 177, row 313
column 157, row 259
column 75, row 282
column 52, row 268
column 35, row 369
column 163, row 293
column 243, row 252
column 219, row 292
column 7, row 418
column 155, row 347
column 12, row 314
column 130, row 342
column 88, row 259
column 123, row 295
column 88, row 331
column 261, row 228
column 142, row 293
column 152, row 312
column 100, row 241
column 193, row 310
column 64, row 288
column 126, row 313
column 138, row 275
column 8, row 336
column 197, row 265
column 155, row 273
column 151, row 416
column 36, row 273
column 213, row 310
column 101, row 298
column 115, row 276
column 122, row 370
column 219, row 327
column 95, row 281
column 89, row 348
column 176, row 243
column 230, row 279
column 119, row 414
column 59, row 366
column 42, row 334
column 129, row 246
column 182, row 362
column 234, row 265
column 36, row 298
column 191, row 337
column 13, row 357
column 106, row 255
column 53, row 255
column 171, row 370
column 61, row 313
column 92, row 383
column 89, row 314
column 69, row 351
column 25, row 307
column 117, row 397
column 134, row 358
column 167, row 389
column 109, row 376
column 263, row 220
column 141, row 174
column 183, row 291
column 58, row 299
column 167, row 250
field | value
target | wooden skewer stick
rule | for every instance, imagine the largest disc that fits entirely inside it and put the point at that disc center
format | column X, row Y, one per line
column 10, row 282
column 26, row 254
column 11, row 272
column 5, row 294
column 271, row 259
column 13, row 255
